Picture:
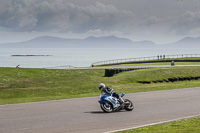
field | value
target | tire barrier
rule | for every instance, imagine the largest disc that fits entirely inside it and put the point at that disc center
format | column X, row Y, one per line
column 171, row 80
column 112, row 72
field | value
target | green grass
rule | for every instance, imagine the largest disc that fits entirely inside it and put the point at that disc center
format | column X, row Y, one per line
column 182, row 126
column 30, row 85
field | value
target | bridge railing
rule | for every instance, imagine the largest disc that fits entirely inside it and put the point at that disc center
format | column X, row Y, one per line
column 145, row 58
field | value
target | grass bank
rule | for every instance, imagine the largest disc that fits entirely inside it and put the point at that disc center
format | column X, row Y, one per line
column 18, row 85
column 182, row 126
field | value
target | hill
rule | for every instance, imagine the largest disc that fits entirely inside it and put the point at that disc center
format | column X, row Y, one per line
column 187, row 42
column 56, row 42
column 99, row 42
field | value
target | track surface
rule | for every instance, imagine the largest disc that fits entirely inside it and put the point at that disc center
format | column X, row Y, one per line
column 85, row 115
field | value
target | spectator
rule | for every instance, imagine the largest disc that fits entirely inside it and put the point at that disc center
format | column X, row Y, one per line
column 163, row 56
column 17, row 66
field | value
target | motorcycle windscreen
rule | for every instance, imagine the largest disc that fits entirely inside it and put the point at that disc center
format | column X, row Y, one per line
column 121, row 95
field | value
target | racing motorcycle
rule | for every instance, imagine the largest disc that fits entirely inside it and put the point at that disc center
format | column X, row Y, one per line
column 110, row 103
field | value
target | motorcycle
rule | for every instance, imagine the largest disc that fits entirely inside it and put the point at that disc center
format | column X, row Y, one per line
column 110, row 103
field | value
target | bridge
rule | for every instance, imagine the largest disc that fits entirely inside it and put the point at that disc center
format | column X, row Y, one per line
column 140, row 59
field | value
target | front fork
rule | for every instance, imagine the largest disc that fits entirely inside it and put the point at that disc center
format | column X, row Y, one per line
column 121, row 100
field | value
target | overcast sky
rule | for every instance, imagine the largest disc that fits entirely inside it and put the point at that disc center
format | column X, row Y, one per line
column 161, row 21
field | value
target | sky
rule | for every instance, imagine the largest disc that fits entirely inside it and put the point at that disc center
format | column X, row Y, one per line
column 160, row 21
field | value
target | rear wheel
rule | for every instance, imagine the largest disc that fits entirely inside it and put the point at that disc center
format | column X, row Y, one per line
column 128, row 105
column 107, row 108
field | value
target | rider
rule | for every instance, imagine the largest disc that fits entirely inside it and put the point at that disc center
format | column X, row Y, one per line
column 109, row 91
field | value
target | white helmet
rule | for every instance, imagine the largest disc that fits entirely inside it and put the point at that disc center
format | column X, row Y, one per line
column 101, row 86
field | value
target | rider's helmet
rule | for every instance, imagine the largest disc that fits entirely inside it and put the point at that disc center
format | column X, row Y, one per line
column 101, row 86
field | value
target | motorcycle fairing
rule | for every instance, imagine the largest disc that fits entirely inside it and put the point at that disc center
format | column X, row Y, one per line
column 109, row 99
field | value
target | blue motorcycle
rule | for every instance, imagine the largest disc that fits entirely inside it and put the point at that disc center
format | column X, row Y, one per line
column 110, row 103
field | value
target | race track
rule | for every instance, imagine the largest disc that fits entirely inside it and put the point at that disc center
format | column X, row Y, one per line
column 85, row 115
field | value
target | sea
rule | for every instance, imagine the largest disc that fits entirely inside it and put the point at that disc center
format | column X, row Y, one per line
column 76, row 57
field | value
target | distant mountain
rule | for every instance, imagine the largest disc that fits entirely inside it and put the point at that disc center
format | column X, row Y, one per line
column 41, row 42
column 99, row 42
column 56, row 42
column 187, row 42
column 107, row 41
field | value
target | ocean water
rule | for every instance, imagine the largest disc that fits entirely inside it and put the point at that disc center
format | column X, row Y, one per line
column 83, row 57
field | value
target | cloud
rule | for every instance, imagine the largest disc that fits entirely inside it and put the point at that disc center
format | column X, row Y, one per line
column 186, row 23
column 62, row 16
column 149, row 19
column 99, row 32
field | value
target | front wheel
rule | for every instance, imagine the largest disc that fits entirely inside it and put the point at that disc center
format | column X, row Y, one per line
column 128, row 105
column 107, row 108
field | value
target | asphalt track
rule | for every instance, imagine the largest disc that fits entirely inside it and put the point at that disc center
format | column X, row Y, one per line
column 85, row 115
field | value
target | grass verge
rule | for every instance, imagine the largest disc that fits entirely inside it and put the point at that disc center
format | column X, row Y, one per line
column 182, row 126
column 18, row 85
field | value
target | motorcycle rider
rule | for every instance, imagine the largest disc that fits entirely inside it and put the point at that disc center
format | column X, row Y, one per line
column 108, row 91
